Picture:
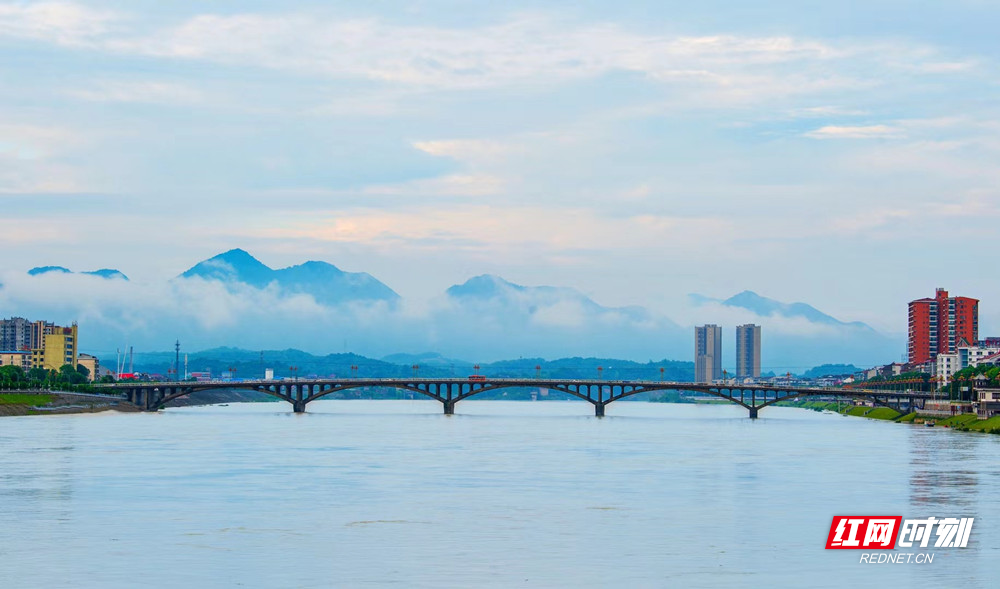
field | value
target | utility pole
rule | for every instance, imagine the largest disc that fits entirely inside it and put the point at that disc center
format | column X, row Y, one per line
column 177, row 360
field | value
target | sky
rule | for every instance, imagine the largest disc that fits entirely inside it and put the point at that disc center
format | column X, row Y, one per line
column 842, row 154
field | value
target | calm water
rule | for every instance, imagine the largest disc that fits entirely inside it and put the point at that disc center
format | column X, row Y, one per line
column 392, row 493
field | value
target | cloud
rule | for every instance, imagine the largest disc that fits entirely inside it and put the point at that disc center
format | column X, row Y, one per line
column 148, row 92
column 63, row 23
column 856, row 132
column 483, row 228
column 534, row 49
column 29, row 160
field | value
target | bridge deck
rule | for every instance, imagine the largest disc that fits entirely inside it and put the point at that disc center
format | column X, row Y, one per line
column 448, row 391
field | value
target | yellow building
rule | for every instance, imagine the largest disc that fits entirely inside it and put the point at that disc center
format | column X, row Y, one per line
column 22, row 359
column 59, row 347
column 91, row 363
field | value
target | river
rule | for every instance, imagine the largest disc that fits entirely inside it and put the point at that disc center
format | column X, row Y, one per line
column 393, row 493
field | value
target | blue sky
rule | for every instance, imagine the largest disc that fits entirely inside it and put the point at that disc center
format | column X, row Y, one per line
column 843, row 154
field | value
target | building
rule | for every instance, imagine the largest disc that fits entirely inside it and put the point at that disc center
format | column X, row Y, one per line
column 988, row 403
column 707, row 353
column 945, row 367
column 20, row 358
column 748, row 351
column 58, row 346
column 938, row 325
column 92, row 364
column 16, row 334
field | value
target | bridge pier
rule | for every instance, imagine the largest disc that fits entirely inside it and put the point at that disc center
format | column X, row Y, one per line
column 753, row 412
column 298, row 406
column 449, row 407
column 599, row 409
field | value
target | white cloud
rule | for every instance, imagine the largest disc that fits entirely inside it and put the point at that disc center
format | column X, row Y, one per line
column 150, row 92
column 450, row 185
column 856, row 132
column 63, row 23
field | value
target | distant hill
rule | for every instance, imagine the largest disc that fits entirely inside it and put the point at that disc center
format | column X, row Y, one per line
column 766, row 307
column 326, row 283
column 531, row 300
column 48, row 269
column 103, row 272
column 248, row 364
column 831, row 370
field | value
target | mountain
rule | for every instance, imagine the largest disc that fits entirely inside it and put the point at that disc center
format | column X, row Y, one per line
column 766, row 307
column 325, row 282
column 426, row 359
column 830, row 370
column 236, row 265
column 47, row 269
column 532, row 300
column 107, row 273
column 797, row 335
column 251, row 364
column 103, row 272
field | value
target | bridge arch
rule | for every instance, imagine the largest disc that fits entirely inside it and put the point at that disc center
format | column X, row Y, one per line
column 180, row 392
column 400, row 386
column 714, row 392
column 497, row 386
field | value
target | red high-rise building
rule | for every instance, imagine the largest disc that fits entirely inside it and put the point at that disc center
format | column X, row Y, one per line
column 938, row 325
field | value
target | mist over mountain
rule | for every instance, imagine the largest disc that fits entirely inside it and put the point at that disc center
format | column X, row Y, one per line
column 797, row 336
column 103, row 272
column 234, row 299
column 326, row 283
column 547, row 304
column 766, row 307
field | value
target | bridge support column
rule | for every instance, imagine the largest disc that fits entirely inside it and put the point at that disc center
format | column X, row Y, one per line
column 753, row 412
column 599, row 409
column 449, row 407
column 298, row 406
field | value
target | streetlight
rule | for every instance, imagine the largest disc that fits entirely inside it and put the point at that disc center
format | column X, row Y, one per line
column 232, row 372
column 354, row 370
column 294, row 371
column 416, row 369
column 476, row 368
column 538, row 371
column 600, row 369
column 661, row 373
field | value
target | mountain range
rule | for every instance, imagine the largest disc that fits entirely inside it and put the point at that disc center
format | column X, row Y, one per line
column 766, row 307
column 234, row 298
column 326, row 283
column 103, row 272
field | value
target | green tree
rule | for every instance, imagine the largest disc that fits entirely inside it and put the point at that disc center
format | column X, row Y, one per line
column 69, row 375
column 11, row 376
column 83, row 370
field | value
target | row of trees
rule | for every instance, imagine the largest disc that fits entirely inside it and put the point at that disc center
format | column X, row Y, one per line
column 983, row 376
column 67, row 377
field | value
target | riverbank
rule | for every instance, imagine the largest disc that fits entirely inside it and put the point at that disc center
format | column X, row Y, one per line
column 966, row 422
column 59, row 403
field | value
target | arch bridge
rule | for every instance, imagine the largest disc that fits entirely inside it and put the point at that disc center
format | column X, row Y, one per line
column 152, row 396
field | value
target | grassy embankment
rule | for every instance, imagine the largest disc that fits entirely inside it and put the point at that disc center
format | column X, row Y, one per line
column 22, row 399
column 54, row 403
column 964, row 422
column 22, row 403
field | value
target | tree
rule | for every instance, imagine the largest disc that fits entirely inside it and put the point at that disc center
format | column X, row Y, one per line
column 69, row 375
column 11, row 375
column 83, row 370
